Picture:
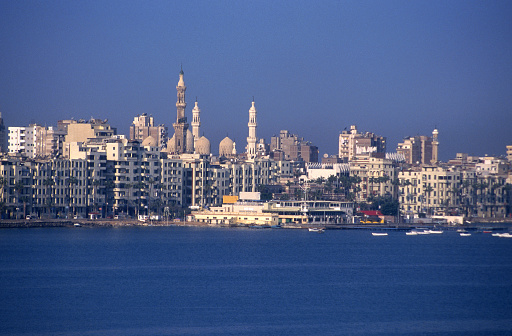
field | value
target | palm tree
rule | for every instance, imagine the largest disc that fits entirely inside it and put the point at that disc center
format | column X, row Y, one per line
column 19, row 188
column 72, row 182
column 428, row 189
column 48, row 183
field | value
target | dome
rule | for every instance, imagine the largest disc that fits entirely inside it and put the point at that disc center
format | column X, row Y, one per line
column 190, row 142
column 203, row 146
column 149, row 141
column 226, row 147
column 170, row 145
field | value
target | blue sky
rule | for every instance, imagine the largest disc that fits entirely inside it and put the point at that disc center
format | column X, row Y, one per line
column 395, row 68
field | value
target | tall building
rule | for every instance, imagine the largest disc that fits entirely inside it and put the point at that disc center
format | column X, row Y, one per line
column 49, row 141
column 22, row 140
column 353, row 145
column 292, row 147
column 420, row 149
column 82, row 131
column 509, row 153
column 143, row 126
column 251, row 139
column 3, row 136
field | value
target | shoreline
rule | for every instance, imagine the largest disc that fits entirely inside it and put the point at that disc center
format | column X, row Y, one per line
column 500, row 224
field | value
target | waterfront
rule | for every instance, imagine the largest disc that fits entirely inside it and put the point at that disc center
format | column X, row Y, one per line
column 218, row 281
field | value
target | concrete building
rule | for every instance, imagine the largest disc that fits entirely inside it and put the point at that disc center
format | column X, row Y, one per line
column 420, row 149
column 82, row 131
column 377, row 178
column 143, row 126
column 3, row 136
column 291, row 147
column 21, row 141
column 353, row 145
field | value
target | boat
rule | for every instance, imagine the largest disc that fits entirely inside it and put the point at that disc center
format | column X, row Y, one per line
column 318, row 230
column 76, row 224
column 503, row 235
column 435, row 231
column 465, row 234
column 424, row 232
column 379, row 234
column 412, row 233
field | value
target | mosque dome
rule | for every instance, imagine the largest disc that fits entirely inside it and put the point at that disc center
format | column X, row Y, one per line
column 149, row 141
column 203, row 146
column 226, row 147
column 190, row 142
column 170, row 145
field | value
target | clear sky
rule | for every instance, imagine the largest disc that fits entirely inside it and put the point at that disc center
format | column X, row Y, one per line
column 395, row 68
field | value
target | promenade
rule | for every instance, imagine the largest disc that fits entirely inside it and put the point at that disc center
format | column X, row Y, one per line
column 475, row 224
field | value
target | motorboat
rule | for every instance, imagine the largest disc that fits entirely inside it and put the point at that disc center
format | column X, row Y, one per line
column 412, row 233
column 435, row 231
column 379, row 233
column 465, row 234
column 503, row 235
column 318, row 230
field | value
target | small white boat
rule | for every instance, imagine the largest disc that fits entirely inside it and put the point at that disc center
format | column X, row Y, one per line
column 435, row 231
column 412, row 233
column 502, row 235
column 465, row 234
column 318, row 230
column 424, row 232
column 379, row 234
column 76, row 224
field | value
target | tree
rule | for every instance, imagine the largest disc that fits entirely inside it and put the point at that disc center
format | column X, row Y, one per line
column 19, row 188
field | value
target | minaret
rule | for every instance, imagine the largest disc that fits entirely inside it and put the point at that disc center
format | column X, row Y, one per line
column 180, row 126
column 435, row 146
column 251, row 139
column 196, row 123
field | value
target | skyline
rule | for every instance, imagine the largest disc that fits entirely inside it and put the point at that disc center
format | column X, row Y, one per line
column 394, row 68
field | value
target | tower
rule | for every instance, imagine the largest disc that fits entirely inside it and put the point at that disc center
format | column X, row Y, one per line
column 196, row 123
column 180, row 126
column 251, row 139
column 435, row 145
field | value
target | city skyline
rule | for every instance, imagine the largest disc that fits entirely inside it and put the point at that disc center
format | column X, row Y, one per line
column 396, row 68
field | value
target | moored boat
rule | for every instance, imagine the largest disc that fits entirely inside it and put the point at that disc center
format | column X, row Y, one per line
column 412, row 233
column 318, row 230
column 379, row 234
column 435, row 231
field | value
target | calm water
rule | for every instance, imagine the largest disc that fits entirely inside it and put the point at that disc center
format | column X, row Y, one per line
column 190, row 281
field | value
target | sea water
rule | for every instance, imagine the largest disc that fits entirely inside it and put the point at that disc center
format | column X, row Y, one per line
column 220, row 281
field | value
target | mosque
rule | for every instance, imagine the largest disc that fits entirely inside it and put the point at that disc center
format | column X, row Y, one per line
column 185, row 140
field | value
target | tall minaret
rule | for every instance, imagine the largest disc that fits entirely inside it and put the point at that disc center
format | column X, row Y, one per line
column 251, row 139
column 180, row 126
column 435, row 146
column 196, row 123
